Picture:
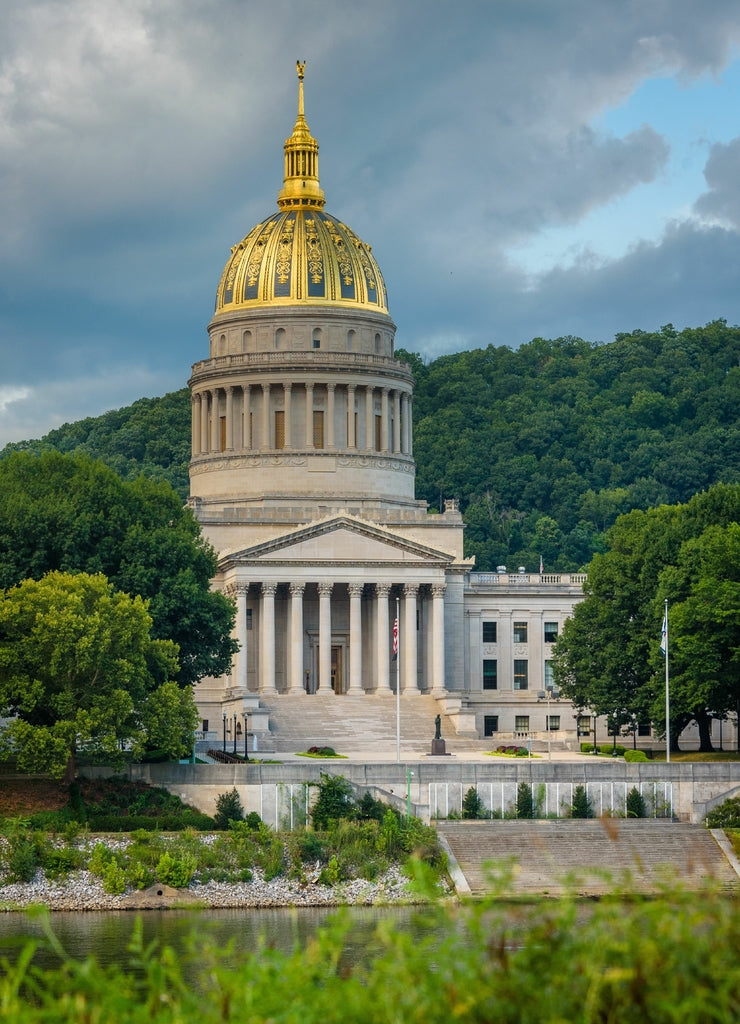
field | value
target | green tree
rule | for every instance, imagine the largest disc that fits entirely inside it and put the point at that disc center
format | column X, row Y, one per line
column 69, row 513
column 77, row 664
column 169, row 717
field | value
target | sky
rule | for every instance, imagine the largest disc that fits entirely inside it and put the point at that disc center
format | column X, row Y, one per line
column 521, row 168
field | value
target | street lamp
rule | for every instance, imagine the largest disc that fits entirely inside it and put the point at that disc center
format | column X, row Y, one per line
column 246, row 734
column 235, row 734
column 548, row 694
column 224, row 732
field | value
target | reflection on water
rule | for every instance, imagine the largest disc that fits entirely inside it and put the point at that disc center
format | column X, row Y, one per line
column 106, row 935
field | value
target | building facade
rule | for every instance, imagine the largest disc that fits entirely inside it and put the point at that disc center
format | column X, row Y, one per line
column 302, row 477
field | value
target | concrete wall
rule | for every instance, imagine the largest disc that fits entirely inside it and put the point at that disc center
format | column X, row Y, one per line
column 278, row 792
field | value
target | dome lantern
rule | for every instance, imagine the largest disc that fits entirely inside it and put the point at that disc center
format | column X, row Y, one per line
column 301, row 179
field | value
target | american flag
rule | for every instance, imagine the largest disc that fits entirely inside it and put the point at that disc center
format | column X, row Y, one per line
column 395, row 638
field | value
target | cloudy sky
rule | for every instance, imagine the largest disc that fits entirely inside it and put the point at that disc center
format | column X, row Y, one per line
column 521, row 168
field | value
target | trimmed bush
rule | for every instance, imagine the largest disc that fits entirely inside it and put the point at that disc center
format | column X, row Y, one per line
column 472, row 806
column 635, row 755
column 581, row 807
column 636, row 806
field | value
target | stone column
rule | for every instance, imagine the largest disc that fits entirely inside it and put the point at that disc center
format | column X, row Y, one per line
column 215, row 420
column 265, row 439
column 369, row 419
column 288, row 398
column 229, row 419
column 241, row 636
column 267, row 652
column 383, row 653
column 246, row 408
column 396, row 421
column 205, row 401
column 330, row 389
column 325, row 636
column 411, row 425
column 384, row 419
column 195, row 424
column 295, row 684
column 309, row 415
column 438, row 638
column 351, row 435
column 409, row 646
column 354, row 682
column 404, row 423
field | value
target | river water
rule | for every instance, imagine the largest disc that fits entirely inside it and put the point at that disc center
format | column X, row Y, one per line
column 106, row 935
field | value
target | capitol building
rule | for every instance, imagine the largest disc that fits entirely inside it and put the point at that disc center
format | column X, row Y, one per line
column 302, row 478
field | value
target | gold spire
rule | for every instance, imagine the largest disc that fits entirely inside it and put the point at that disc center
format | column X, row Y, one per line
column 301, row 180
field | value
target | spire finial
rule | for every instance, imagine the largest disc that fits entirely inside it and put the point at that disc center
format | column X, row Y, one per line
column 301, row 180
column 300, row 67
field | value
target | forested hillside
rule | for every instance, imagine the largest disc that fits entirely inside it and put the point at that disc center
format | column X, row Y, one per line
column 544, row 445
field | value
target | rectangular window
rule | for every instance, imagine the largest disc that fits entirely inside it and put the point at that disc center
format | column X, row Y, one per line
column 551, row 632
column 279, row 428
column 490, row 674
column 553, row 723
column 521, row 675
column 378, row 433
column 520, row 632
column 249, row 618
column 643, row 728
column 584, row 725
column 521, row 723
column 317, row 342
column 490, row 725
column 549, row 677
column 489, row 632
column 222, row 433
column 205, row 725
column 318, row 428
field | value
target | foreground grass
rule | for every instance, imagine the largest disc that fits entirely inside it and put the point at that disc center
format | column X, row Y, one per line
column 657, row 961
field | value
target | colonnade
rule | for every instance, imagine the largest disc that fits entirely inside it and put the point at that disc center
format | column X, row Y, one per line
column 242, row 417
column 306, row 651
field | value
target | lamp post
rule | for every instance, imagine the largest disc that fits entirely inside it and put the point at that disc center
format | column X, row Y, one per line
column 224, row 732
column 596, row 749
column 246, row 735
column 235, row 735
column 548, row 694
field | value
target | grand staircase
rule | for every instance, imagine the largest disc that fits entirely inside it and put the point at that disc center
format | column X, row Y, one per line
column 363, row 724
column 641, row 854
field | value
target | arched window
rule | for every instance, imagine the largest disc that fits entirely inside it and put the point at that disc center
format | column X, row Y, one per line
column 350, row 341
column 280, row 338
column 378, row 345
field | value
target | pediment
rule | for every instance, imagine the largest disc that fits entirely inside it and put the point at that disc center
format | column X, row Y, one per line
column 340, row 540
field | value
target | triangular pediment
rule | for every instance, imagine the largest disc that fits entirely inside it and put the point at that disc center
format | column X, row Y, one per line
column 339, row 540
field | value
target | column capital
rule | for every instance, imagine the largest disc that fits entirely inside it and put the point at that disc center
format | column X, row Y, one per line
column 411, row 589
column 230, row 590
column 438, row 589
column 296, row 589
column 269, row 589
column 355, row 589
column 242, row 588
column 287, row 385
column 383, row 589
column 325, row 589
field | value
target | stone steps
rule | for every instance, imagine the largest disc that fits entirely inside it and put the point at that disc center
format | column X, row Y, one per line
column 365, row 723
column 646, row 852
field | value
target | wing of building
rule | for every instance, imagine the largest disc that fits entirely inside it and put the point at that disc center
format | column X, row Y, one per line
column 302, row 477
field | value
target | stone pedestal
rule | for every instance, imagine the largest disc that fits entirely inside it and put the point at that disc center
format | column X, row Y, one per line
column 438, row 748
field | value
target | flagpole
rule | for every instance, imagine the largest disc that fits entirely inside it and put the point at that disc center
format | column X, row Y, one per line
column 398, row 687
column 667, row 691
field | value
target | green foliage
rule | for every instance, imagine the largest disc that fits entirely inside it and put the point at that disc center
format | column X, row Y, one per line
column 636, row 806
column 335, row 800
column 635, row 755
column 71, row 514
column 581, row 806
column 472, row 806
column 114, row 879
column 176, row 871
column 524, row 801
column 725, row 815
column 228, row 808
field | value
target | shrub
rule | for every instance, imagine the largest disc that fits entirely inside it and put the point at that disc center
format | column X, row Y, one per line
column 635, row 755
column 228, row 808
column 370, row 809
column 176, row 871
column 472, row 806
column 636, row 806
column 725, row 815
column 524, row 801
column 114, row 879
column 336, row 800
column 581, row 807
column 322, row 751
column 22, row 860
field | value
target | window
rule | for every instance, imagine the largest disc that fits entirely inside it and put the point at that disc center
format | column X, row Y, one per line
column 553, row 723
column 521, row 675
column 643, row 728
column 551, row 632
column 490, row 725
column 490, row 674
column 205, row 725
column 318, row 429
column 549, row 677
column 249, row 618
column 521, row 723
column 279, row 428
column 378, row 433
column 584, row 725
column 520, row 632
column 317, row 342
column 222, row 433
column 489, row 632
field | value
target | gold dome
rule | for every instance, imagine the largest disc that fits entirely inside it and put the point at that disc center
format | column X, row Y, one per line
column 301, row 254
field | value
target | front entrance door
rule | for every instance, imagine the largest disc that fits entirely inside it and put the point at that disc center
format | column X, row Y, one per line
column 336, row 669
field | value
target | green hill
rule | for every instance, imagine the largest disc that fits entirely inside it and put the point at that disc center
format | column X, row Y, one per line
column 544, row 445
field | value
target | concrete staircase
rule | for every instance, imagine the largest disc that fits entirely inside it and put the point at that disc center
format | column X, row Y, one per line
column 364, row 724
column 638, row 853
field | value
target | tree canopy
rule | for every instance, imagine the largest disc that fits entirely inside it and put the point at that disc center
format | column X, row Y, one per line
column 79, row 670
column 608, row 659
column 73, row 514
